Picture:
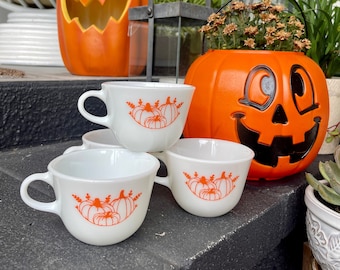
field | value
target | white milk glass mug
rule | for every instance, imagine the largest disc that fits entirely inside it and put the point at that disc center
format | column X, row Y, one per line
column 206, row 176
column 102, row 195
column 101, row 138
column 144, row 116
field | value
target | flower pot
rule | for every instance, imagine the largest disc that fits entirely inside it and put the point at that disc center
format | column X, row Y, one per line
column 276, row 103
column 323, row 231
column 333, row 85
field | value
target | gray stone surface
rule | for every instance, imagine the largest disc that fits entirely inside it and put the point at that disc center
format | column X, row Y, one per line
column 252, row 236
column 44, row 111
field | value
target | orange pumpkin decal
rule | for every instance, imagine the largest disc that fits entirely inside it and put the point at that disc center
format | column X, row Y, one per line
column 93, row 37
column 155, row 116
column 274, row 102
column 106, row 212
column 210, row 188
column 125, row 204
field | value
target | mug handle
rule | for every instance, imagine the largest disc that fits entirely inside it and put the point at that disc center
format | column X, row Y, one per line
column 51, row 207
column 164, row 180
column 101, row 120
column 75, row 148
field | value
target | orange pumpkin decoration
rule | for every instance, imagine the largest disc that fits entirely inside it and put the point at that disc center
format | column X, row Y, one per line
column 274, row 102
column 170, row 109
column 147, row 115
column 95, row 210
column 212, row 194
column 93, row 37
column 125, row 204
column 225, row 184
column 198, row 183
column 155, row 122
column 106, row 218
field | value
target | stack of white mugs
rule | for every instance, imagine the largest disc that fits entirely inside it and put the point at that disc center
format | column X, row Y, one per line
column 99, row 184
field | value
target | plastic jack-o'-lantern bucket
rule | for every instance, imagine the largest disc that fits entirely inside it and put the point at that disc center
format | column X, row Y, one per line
column 276, row 103
column 93, row 36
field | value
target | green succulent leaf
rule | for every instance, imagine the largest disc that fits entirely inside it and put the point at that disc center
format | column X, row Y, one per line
column 337, row 156
column 329, row 195
column 311, row 180
column 329, row 139
column 323, row 171
column 326, row 193
column 331, row 172
column 334, row 133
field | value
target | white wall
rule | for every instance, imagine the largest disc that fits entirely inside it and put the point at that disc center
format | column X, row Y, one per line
column 3, row 14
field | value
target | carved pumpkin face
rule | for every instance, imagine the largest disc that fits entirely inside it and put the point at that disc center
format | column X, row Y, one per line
column 93, row 36
column 274, row 102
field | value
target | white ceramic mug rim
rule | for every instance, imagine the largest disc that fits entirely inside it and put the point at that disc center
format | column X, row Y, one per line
column 57, row 173
column 249, row 156
column 149, row 85
column 86, row 138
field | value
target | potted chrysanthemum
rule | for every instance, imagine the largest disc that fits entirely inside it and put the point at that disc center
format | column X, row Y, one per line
column 257, row 26
column 256, row 86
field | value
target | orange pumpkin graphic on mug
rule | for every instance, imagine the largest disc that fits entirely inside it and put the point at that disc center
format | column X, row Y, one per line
column 107, row 212
column 155, row 116
column 211, row 188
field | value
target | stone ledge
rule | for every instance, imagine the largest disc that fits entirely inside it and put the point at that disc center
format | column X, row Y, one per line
column 252, row 236
column 41, row 107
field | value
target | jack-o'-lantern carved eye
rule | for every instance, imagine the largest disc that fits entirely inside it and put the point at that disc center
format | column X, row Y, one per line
column 302, row 90
column 95, row 12
column 260, row 88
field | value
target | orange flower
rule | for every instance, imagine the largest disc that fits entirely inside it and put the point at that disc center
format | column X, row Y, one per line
column 238, row 6
column 229, row 29
column 212, row 17
column 251, row 30
column 241, row 26
column 298, row 33
column 250, row 42
column 280, row 25
column 283, row 35
column 270, row 39
column 278, row 8
column 267, row 17
column 270, row 29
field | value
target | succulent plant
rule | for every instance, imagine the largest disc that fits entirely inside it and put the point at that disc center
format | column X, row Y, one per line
column 330, row 170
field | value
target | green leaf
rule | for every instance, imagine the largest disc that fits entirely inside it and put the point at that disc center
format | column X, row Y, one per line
column 326, row 193
column 329, row 195
column 329, row 139
column 322, row 21
column 311, row 180
column 323, row 171
column 334, row 132
column 337, row 156
column 332, row 171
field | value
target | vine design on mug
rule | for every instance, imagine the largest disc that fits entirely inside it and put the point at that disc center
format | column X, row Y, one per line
column 107, row 212
column 211, row 188
column 155, row 116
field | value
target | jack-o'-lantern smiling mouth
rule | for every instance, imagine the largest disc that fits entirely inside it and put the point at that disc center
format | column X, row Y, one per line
column 280, row 146
column 95, row 13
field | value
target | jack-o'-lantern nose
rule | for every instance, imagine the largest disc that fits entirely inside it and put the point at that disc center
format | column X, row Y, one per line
column 279, row 116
